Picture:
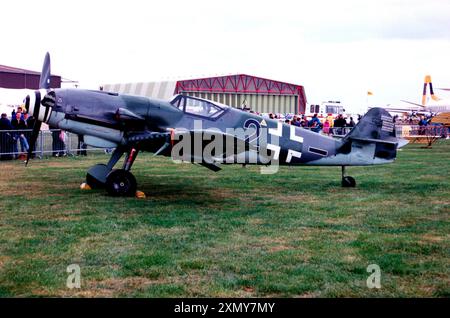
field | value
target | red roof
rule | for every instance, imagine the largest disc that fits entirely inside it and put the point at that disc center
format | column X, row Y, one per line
column 19, row 78
column 239, row 83
column 10, row 69
column 242, row 83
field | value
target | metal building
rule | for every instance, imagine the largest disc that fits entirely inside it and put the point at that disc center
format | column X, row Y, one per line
column 12, row 77
column 256, row 93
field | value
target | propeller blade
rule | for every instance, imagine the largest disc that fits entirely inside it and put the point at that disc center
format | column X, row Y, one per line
column 44, row 81
column 33, row 139
column 35, row 104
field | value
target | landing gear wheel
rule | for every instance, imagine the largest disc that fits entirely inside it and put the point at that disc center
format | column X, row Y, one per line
column 96, row 176
column 348, row 182
column 121, row 183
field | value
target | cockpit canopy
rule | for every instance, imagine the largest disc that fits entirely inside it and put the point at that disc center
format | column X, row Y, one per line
column 198, row 107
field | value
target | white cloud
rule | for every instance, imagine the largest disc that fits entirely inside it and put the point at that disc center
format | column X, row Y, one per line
column 337, row 49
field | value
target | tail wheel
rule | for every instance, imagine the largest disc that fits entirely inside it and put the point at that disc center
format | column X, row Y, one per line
column 121, row 183
column 348, row 182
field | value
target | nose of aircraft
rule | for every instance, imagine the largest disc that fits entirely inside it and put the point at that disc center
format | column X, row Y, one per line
column 39, row 104
column 32, row 103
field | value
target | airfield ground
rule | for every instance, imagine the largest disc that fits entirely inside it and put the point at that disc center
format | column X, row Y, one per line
column 235, row 233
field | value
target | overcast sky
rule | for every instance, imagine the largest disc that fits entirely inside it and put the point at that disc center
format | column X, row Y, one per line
column 337, row 49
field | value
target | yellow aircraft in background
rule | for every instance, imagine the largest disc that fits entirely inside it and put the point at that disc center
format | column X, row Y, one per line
column 434, row 104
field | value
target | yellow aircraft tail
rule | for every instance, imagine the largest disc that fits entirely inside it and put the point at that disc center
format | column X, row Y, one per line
column 427, row 82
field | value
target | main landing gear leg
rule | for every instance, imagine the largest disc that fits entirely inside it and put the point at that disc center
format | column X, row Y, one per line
column 121, row 182
column 347, row 181
column 96, row 175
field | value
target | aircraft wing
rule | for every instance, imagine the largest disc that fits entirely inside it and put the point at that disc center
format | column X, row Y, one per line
column 417, row 108
column 421, row 106
column 400, row 109
column 242, row 146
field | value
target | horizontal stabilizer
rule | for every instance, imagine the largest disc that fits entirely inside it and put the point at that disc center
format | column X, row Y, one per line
column 373, row 140
column 400, row 141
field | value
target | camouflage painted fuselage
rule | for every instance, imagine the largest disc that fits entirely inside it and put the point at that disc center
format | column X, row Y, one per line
column 109, row 120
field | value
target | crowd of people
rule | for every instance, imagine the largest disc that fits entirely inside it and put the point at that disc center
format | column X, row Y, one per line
column 16, row 132
column 422, row 125
column 327, row 125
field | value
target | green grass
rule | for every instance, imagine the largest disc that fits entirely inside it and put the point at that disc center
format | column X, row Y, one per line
column 235, row 233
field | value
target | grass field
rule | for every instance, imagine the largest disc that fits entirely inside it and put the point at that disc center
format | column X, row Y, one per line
column 235, row 233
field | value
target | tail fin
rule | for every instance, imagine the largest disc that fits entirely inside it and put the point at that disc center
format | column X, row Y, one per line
column 376, row 125
column 427, row 81
column 375, row 132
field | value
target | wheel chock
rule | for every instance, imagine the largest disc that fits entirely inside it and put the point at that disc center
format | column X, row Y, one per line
column 140, row 195
column 85, row 186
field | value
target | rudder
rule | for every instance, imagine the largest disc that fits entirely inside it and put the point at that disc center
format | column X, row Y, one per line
column 377, row 124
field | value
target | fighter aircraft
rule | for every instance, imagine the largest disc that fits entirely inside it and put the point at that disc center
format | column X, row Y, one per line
column 199, row 131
